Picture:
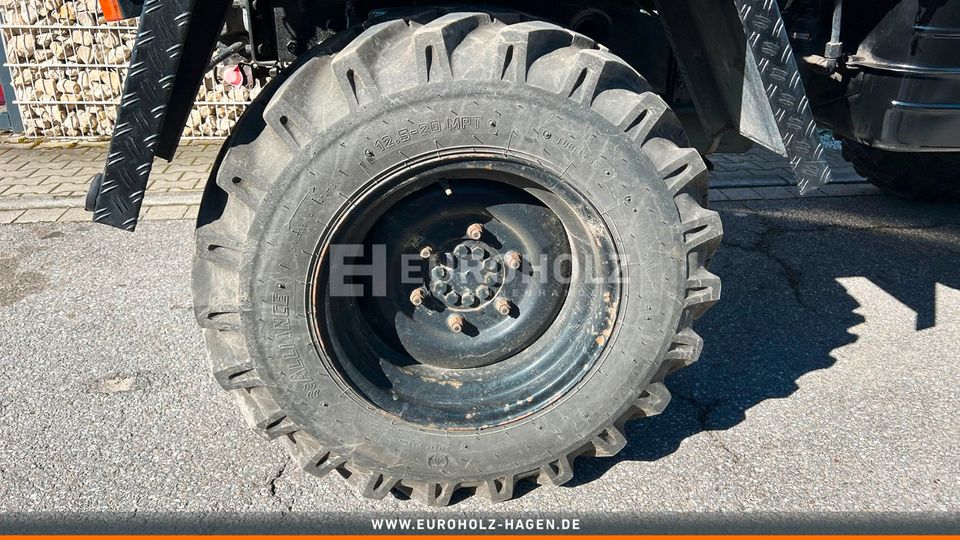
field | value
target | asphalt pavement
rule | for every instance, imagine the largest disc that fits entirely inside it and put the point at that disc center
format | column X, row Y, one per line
column 827, row 394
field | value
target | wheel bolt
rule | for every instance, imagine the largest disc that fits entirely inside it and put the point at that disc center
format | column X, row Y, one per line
column 426, row 252
column 468, row 298
column 439, row 272
column 417, row 296
column 475, row 231
column 512, row 260
column 440, row 288
column 484, row 292
column 478, row 253
column 503, row 306
column 491, row 279
column 461, row 251
column 451, row 298
column 492, row 265
column 455, row 323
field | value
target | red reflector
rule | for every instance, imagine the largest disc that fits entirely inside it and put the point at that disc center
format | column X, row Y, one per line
column 111, row 10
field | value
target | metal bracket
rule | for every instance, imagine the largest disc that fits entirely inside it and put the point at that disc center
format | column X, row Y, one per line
column 768, row 40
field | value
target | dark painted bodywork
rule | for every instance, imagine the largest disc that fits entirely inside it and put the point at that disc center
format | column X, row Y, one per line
column 901, row 89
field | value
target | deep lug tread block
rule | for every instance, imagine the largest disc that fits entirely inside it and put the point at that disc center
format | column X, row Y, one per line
column 703, row 229
column 655, row 399
column 593, row 71
column 500, row 489
column 609, row 442
column 436, row 41
column 230, row 363
column 557, row 472
column 523, row 43
column 685, row 349
column 352, row 64
column 703, row 291
column 679, row 167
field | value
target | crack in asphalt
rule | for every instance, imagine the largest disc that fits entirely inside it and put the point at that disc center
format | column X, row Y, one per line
column 272, row 487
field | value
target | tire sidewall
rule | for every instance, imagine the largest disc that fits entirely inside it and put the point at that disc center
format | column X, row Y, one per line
column 524, row 124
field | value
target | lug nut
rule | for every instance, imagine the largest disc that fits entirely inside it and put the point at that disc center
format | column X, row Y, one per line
column 491, row 279
column 512, row 260
column 503, row 306
column 492, row 265
column 484, row 292
column 475, row 231
column 468, row 298
column 461, row 251
column 439, row 272
column 451, row 298
column 478, row 253
column 440, row 288
column 455, row 323
column 417, row 296
column 426, row 252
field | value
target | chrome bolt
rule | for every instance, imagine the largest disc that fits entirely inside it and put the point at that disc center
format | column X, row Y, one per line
column 484, row 292
column 475, row 231
column 440, row 288
column 503, row 306
column 461, row 251
column 451, row 298
column 440, row 272
column 426, row 252
column 492, row 265
column 468, row 298
column 512, row 260
column 478, row 253
column 417, row 296
column 455, row 323
column 491, row 279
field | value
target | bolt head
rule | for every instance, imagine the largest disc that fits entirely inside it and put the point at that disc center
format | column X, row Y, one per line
column 426, row 252
column 475, row 231
column 503, row 306
column 468, row 298
column 440, row 272
column 440, row 288
column 512, row 260
column 461, row 251
column 452, row 299
column 478, row 253
column 484, row 292
column 492, row 265
column 491, row 279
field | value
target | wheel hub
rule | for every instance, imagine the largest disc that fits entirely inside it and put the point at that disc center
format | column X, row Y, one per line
column 480, row 269
column 467, row 277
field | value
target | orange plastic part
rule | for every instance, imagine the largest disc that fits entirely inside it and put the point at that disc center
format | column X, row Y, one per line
column 111, row 10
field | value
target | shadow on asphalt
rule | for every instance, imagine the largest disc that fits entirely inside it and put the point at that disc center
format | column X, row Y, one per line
column 783, row 311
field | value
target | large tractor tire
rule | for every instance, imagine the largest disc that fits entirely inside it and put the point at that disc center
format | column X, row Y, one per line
column 534, row 241
column 924, row 176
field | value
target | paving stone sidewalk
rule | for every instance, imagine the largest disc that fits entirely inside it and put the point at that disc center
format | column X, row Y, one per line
column 47, row 181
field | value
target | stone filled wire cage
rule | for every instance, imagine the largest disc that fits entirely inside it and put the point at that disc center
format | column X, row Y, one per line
column 67, row 67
